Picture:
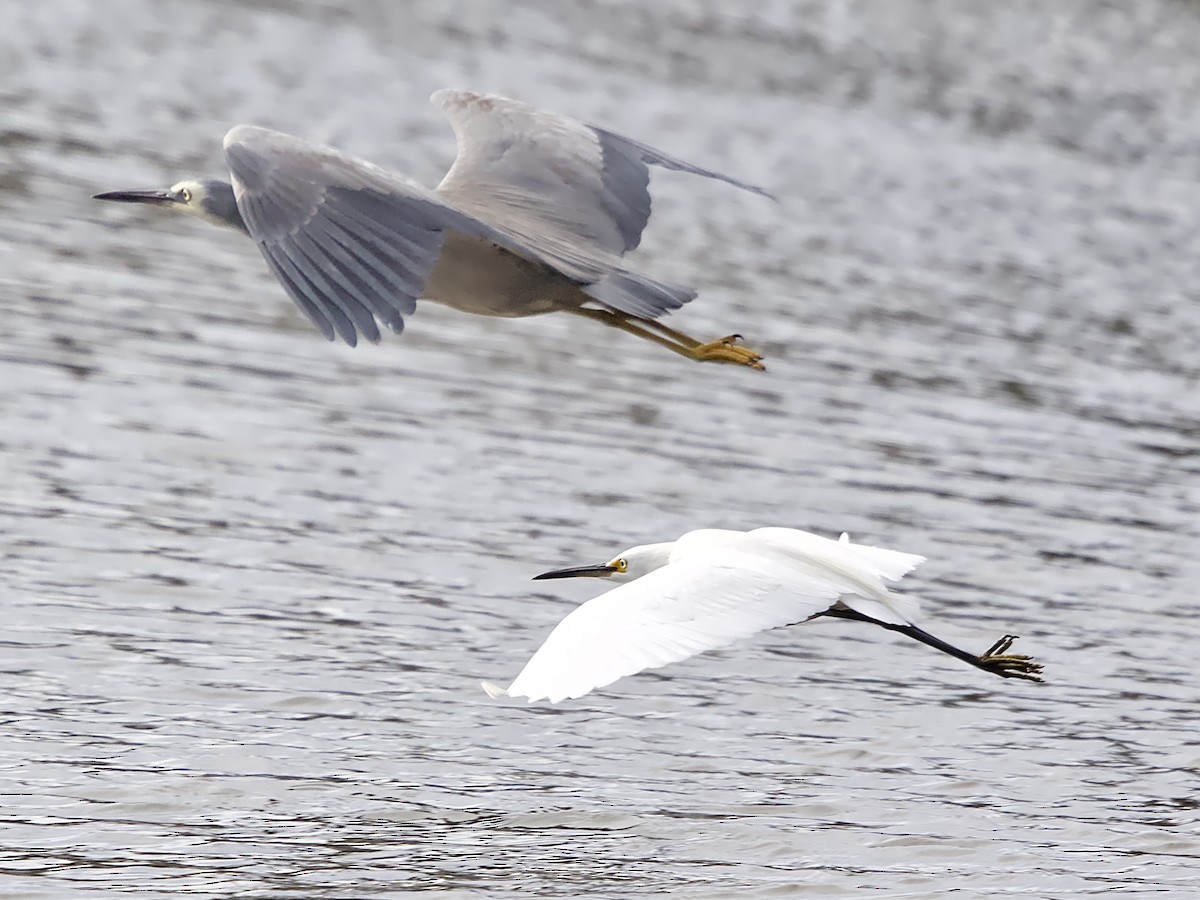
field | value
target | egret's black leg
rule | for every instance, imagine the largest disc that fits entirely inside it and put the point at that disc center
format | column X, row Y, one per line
column 995, row 659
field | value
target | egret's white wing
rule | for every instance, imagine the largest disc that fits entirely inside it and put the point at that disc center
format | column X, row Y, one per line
column 674, row 612
column 890, row 564
column 350, row 242
column 855, row 569
column 521, row 167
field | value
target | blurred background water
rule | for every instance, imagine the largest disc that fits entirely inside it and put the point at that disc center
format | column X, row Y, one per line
column 249, row 581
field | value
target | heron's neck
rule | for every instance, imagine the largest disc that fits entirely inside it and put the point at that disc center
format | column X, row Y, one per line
column 220, row 206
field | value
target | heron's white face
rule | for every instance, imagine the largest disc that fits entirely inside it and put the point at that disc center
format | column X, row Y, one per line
column 207, row 199
column 189, row 198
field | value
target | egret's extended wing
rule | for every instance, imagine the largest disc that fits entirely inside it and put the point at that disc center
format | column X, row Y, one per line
column 349, row 241
column 672, row 613
column 522, row 167
column 855, row 569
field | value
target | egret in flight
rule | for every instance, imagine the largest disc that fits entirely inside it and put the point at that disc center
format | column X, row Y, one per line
column 711, row 588
column 535, row 216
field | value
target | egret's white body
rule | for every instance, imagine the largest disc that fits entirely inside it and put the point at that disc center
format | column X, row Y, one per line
column 711, row 588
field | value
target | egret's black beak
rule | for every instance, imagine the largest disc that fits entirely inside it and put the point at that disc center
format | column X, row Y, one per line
column 156, row 198
column 579, row 572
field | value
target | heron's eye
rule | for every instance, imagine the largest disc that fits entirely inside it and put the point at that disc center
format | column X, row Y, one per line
column 622, row 566
column 186, row 195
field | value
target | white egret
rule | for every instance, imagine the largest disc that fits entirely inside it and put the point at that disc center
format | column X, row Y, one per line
column 711, row 588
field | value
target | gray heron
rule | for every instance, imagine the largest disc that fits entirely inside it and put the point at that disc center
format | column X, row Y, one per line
column 534, row 216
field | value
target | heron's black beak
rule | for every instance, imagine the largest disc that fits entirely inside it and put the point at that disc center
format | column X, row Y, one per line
column 579, row 572
column 156, row 198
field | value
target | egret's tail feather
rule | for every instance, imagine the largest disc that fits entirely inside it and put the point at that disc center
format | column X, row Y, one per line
column 494, row 690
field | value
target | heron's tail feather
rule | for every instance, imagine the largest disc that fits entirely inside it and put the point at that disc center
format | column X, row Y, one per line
column 493, row 690
column 638, row 295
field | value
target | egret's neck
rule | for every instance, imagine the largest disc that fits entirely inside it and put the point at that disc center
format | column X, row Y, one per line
column 646, row 558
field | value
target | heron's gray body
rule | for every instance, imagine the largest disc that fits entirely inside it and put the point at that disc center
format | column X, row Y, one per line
column 475, row 275
column 533, row 217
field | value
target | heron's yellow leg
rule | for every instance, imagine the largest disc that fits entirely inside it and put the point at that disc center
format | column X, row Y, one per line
column 685, row 339
column 725, row 350
column 703, row 347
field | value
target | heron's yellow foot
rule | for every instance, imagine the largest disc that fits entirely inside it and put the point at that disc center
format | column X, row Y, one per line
column 1009, row 665
column 727, row 350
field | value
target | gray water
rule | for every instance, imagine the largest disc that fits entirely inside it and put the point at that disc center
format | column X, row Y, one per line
column 250, row 580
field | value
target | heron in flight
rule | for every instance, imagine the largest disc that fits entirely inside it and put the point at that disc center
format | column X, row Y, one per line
column 535, row 216
column 711, row 588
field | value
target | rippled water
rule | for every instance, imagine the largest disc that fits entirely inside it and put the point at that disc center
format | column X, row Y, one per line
column 250, row 581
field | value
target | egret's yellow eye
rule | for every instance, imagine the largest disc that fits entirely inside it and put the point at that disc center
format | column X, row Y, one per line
column 622, row 566
column 186, row 195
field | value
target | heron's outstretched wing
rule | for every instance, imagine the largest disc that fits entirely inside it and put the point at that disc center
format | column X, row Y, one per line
column 353, row 243
column 350, row 242
column 672, row 613
column 544, row 177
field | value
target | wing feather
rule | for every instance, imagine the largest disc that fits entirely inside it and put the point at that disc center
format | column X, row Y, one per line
column 353, row 244
column 577, row 193
column 557, row 172
column 327, row 318
column 670, row 614
column 328, row 269
column 857, row 570
column 317, row 216
column 364, row 275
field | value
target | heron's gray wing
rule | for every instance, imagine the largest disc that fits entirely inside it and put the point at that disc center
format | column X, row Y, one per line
column 550, row 178
column 350, row 242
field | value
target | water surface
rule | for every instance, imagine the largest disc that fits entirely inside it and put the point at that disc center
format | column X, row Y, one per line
column 250, row 581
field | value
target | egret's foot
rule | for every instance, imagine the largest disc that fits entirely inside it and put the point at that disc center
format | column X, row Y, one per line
column 1009, row 665
column 727, row 350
